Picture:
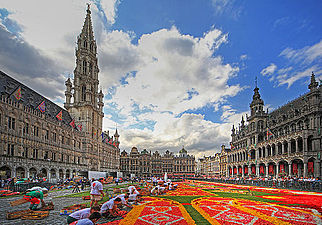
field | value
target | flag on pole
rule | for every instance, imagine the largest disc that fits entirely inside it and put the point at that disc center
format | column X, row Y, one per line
column 42, row 107
column 80, row 127
column 268, row 133
column 59, row 116
column 72, row 123
column 232, row 146
column 17, row 93
column 102, row 135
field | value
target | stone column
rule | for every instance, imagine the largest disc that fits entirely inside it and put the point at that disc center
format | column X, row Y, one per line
column 266, row 172
column 257, row 170
column 289, row 148
column 290, row 168
column 305, row 169
column 305, row 144
column 282, row 148
column 296, row 145
column 317, row 165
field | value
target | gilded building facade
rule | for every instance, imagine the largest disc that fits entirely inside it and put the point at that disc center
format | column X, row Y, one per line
column 147, row 164
column 39, row 138
column 284, row 142
column 209, row 166
column 223, row 161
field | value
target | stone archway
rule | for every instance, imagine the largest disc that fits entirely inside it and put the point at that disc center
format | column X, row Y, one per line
column 61, row 174
column 262, row 169
column 52, row 174
column 235, row 170
column 32, row 172
column 283, row 169
column 5, row 172
column 20, row 172
column 310, row 167
column 43, row 173
column 297, row 167
column 253, row 169
column 245, row 170
column 271, row 169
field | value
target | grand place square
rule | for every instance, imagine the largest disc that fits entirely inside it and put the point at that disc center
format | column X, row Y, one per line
column 157, row 125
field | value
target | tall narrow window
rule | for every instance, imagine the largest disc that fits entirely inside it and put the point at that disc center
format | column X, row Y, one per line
column 83, row 93
column 84, row 67
column 85, row 44
column 11, row 123
column 90, row 68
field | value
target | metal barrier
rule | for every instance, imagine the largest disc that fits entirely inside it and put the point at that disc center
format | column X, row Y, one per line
column 23, row 187
column 284, row 184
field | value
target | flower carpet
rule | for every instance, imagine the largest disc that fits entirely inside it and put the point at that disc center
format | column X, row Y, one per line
column 198, row 202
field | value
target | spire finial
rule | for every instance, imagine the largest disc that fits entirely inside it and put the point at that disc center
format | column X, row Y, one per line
column 88, row 6
column 256, row 81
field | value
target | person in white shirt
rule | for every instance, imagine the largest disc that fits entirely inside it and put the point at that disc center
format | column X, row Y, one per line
column 91, row 220
column 96, row 192
column 132, row 190
column 124, row 198
column 109, row 208
column 82, row 214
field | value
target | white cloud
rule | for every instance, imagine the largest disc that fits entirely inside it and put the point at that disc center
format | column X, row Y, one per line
column 227, row 7
column 110, row 9
column 300, row 64
column 269, row 70
column 166, row 73
column 289, row 80
column 305, row 55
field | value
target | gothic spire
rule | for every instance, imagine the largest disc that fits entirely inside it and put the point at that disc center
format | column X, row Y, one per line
column 87, row 31
column 313, row 83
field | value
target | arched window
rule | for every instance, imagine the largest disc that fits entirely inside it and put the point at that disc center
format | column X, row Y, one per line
column 84, row 67
column 83, row 93
column 90, row 68
column 85, row 44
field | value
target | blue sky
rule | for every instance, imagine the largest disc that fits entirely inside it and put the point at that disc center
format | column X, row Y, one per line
column 173, row 73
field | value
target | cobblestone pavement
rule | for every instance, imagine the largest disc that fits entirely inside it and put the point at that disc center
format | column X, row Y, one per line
column 54, row 217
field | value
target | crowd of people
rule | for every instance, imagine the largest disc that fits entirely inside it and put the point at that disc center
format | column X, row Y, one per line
column 111, row 208
column 301, row 183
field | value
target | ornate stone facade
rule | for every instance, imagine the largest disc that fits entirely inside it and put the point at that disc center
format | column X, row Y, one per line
column 147, row 164
column 40, row 138
column 286, row 141
column 209, row 166
column 223, row 161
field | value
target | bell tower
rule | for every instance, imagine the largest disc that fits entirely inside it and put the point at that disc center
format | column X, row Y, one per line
column 83, row 99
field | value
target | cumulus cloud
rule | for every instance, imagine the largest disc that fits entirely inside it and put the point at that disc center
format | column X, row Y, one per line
column 44, row 36
column 152, row 83
column 174, row 73
column 269, row 70
column 300, row 64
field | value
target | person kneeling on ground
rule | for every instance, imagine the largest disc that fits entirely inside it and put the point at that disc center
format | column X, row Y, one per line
column 91, row 220
column 135, row 198
column 124, row 199
column 109, row 208
column 82, row 214
column 35, row 197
